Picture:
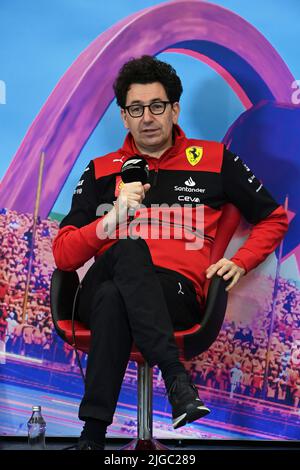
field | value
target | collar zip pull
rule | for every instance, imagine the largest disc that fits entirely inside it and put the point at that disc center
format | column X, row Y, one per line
column 155, row 176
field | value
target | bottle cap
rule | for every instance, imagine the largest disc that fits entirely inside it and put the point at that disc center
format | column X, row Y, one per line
column 36, row 408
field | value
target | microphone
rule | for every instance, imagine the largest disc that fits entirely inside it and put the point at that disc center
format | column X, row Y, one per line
column 135, row 169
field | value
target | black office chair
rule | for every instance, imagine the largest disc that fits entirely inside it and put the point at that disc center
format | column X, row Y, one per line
column 191, row 342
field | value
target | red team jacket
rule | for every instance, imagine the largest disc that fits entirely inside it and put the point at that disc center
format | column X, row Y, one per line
column 192, row 172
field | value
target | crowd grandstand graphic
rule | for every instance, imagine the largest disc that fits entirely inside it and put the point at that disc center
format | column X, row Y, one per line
column 232, row 375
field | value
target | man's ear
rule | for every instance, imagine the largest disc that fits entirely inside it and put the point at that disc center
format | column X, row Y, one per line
column 175, row 112
column 124, row 118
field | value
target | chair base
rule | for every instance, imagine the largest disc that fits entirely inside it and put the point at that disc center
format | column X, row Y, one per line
column 144, row 444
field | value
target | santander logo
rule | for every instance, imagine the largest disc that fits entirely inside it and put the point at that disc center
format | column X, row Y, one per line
column 190, row 182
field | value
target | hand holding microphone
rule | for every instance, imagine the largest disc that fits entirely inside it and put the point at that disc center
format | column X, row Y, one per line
column 135, row 175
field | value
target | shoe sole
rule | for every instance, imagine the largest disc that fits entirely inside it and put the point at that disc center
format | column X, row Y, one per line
column 192, row 415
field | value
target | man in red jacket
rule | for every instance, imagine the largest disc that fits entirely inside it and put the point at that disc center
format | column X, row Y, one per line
column 141, row 289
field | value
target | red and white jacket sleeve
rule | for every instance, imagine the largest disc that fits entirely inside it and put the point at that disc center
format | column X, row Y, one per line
column 78, row 237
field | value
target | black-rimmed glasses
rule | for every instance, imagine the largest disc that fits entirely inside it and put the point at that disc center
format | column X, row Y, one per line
column 137, row 110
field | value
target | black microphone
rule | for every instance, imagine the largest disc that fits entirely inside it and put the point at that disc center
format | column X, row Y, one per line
column 135, row 169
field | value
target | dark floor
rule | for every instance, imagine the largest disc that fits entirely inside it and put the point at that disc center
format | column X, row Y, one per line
column 59, row 443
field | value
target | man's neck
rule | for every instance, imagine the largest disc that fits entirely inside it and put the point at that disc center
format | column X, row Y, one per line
column 155, row 153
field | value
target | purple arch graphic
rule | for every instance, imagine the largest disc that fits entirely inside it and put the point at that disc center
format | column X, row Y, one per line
column 208, row 32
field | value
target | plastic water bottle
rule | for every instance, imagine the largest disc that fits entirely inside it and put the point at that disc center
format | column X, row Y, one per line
column 36, row 429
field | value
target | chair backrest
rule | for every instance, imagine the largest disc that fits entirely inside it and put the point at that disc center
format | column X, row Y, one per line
column 63, row 289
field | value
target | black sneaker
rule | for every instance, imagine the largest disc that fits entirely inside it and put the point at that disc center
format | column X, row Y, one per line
column 186, row 404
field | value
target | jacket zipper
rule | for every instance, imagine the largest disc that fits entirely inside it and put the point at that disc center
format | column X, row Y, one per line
column 155, row 177
column 156, row 168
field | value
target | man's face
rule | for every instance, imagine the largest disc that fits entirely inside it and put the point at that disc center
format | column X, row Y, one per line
column 152, row 133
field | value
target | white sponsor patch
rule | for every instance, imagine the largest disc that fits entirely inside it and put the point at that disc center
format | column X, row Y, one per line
column 190, row 182
column 78, row 191
column 119, row 159
column 188, row 199
column 189, row 190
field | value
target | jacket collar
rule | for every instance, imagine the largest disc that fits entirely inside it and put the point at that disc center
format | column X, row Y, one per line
column 180, row 142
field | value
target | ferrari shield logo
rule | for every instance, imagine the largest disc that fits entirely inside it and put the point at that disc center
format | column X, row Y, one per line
column 194, row 154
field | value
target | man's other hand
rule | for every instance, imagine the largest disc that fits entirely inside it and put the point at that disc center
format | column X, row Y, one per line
column 228, row 269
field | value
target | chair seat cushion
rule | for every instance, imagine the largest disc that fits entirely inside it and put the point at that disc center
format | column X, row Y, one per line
column 83, row 337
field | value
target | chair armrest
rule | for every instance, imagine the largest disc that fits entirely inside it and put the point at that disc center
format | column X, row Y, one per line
column 212, row 320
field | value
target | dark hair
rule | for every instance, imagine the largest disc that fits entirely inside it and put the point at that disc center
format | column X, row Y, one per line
column 147, row 69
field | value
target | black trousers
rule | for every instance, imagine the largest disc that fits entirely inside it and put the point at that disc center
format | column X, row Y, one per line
column 124, row 299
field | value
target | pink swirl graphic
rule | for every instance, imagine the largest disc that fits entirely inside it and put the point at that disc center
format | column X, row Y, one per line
column 222, row 39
